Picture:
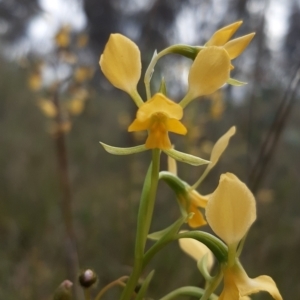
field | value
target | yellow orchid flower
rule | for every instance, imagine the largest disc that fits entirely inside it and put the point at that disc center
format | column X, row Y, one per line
column 230, row 212
column 211, row 67
column 238, row 285
column 209, row 71
column 195, row 202
column 121, row 64
column 234, row 47
column 196, row 199
column 159, row 115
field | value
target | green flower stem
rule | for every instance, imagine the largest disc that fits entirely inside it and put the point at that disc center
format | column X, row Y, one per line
column 199, row 181
column 186, row 100
column 218, row 248
column 136, row 98
column 184, row 50
column 150, row 71
column 173, row 181
column 144, row 222
column 212, row 286
column 119, row 282
column 147, row 204
column 87, row 294
column 154, row 249
column 232, row 253
column 190, row 291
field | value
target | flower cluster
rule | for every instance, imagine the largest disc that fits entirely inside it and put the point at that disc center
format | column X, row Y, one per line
column 210, row 70
column 230, row 210
column 62, row 96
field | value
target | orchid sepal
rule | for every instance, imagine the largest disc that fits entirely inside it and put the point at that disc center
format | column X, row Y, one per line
column 123, row 151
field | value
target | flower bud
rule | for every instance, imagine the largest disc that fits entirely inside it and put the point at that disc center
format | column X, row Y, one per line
column 64, row 291
column 87, row 278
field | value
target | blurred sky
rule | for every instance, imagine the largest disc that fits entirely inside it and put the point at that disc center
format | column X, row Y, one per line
column 56, row 13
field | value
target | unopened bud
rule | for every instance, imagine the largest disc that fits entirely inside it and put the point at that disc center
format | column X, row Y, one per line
column 64, row 291
column 87, row 278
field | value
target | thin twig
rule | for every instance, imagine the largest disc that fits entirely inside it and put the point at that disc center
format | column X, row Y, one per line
column 66, row 203
column 256, row 78
column 119, row 282
column 268, row 147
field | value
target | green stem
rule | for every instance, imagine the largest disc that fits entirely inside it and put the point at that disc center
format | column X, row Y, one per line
column 87, row 294
column 232, row 253
column 186, row 100
column 190, row 291
column 150, row 70
column 212, row 286
column 136, row 98
column 197, row 183
column 185, row 50
column 67, row 199
column 144, row 222
column 218, row 248
column 110, row 285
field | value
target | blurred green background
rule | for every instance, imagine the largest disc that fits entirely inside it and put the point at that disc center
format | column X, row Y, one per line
column 105, row 189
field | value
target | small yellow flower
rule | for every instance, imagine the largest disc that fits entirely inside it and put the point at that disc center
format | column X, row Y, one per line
column 62, row 38
column 191, row 200
column 75, row 106
column 82, row 74
column 35, row 81
column 47, row 107
column 159, row 115
column 121, row 63
column 82, row 40
column 196, row 201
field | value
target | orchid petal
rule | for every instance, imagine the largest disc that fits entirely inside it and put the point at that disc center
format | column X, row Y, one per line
column 209, row 71
column 159, row 103
column 222, row 36
column 231, row 209
column 176, row 126
column 198, row 199
column 138, row 125
column 121, row 63
column 235, row 47
column 197, row 220
column 220, row 146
